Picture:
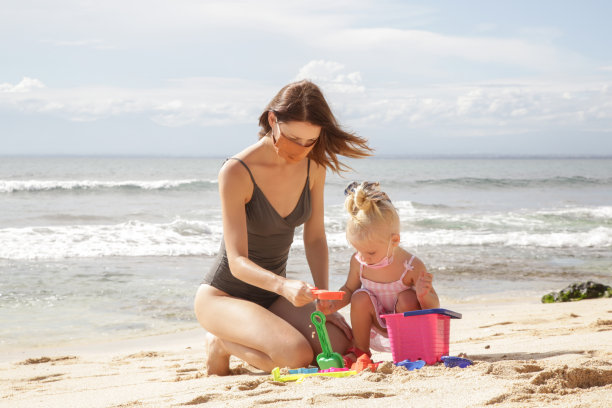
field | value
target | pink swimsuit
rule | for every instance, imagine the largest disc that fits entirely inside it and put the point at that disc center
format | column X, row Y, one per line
column 384, row 298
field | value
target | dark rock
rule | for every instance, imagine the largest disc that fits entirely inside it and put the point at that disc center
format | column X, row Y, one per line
column 579, row 291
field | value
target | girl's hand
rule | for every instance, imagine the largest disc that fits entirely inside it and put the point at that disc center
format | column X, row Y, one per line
column 297, row 292
column 326, row 306
column 338, row 320
column 423, row 284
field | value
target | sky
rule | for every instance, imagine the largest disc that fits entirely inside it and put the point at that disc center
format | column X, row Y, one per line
column 191, row 77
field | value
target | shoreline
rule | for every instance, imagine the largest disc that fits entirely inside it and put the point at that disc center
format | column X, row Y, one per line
column 525, row 353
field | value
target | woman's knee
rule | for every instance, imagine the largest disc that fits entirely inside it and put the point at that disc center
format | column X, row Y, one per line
column 293, row 353
column 407, row 301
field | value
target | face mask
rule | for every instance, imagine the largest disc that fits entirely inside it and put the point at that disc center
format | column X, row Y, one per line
column 289, row 150
column 386, row 261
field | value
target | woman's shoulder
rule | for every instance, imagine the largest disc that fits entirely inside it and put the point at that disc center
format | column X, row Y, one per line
column 240, row 163
column 317, row 173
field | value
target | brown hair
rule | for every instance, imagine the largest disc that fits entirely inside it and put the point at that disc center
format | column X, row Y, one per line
column 303, row 101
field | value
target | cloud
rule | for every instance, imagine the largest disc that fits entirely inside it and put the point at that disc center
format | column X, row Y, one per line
column 26, row 85
column 477, row 108
column 200, row 101
column 88, row 43
column 331, row 75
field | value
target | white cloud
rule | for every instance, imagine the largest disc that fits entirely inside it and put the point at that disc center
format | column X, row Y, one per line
column 87, row 43
column 474, row 108
column 26, row 85
column 331, row 75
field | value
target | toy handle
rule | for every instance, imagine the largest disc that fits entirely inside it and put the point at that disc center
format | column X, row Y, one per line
column 318, row 319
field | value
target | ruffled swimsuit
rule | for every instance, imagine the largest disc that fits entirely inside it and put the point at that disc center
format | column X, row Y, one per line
column 384, row 298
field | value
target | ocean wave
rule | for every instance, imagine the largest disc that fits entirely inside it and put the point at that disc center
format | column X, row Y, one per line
column 487, row 182
column 33, row 186
column 484, row 182
column 133, row 238
column 602, row 212
column 600, row 237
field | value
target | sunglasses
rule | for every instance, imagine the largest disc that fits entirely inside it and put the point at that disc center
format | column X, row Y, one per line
column 294, row 140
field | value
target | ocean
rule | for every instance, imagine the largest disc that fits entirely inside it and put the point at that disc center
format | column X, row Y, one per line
column 109, row 248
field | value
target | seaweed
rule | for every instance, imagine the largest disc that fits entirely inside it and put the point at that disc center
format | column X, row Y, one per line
column 579, row 291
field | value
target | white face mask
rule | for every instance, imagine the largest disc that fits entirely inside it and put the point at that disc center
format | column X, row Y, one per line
column 386, row 261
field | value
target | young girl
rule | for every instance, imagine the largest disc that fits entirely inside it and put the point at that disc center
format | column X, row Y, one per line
column 383, row 278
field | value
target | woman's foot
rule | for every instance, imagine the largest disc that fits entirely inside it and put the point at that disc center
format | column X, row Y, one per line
column 217, row 357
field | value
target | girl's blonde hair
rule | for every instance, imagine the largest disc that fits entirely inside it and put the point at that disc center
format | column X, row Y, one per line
column 371, row 212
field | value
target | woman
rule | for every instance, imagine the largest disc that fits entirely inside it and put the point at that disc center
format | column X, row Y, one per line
column 247, row 305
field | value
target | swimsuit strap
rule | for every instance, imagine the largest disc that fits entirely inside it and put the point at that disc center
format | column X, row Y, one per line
column 246, row 167
column 360, row 267
column 251, row 174
column 407, row 267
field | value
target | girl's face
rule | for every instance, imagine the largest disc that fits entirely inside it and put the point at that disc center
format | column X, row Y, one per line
column 373, row 250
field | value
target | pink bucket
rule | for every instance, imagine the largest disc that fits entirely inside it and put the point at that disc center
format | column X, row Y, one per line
column 420, row 335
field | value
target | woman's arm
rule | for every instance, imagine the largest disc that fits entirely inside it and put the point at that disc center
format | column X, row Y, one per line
column 315, row 241
column 235, row 188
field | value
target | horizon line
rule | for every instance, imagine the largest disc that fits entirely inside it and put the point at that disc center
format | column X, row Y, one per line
column 380, row 156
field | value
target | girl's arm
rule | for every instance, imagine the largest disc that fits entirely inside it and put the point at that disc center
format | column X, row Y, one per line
column 235, row 188
column 423, row 285
column 315, row 240
column 351, row 285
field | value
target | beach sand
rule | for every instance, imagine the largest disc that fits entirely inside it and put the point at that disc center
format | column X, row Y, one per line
column 526, row 354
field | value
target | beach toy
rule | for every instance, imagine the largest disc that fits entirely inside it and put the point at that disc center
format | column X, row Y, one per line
column 327, row 294
column 334, row 370
column 363, row 362
column 304, row 371
column 450, row 361
column 326, row 359
column 411, row 365
column 420, row 335
column 276, row 375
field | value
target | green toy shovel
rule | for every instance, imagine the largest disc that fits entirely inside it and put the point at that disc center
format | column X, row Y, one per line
column 327, row 359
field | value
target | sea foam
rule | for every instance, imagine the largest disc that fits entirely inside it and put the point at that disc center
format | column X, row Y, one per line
column 17, row 186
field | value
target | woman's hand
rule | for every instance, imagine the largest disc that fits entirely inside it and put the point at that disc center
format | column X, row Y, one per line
column 297, row 292
column 338, row 320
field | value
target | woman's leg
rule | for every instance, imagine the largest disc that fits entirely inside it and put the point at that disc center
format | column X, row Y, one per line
column 249, row 332
column 299, row 317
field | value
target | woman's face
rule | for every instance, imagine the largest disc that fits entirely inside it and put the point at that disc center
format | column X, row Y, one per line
column 303, row 133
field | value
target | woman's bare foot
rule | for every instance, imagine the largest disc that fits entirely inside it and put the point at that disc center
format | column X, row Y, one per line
column 217, row 357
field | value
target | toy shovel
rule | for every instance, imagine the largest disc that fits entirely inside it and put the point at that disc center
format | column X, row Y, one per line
column 327, row 359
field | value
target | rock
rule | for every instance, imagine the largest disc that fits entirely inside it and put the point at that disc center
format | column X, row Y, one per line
column 579, row 291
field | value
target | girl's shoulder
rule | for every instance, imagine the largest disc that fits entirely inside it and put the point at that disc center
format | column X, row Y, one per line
column 410, row 260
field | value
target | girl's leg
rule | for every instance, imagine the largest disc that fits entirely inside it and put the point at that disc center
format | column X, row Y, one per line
column 363, row 317
column 407, row 301
column 249, row 332
column 299, row 317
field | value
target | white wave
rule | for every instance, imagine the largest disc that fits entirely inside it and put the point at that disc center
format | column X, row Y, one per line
column 600, row 237
column 604, row 212
column 13, row 186
column 133, row 238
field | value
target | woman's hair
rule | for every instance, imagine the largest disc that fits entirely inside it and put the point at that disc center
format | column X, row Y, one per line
column 371, row 212
column 303, row 101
